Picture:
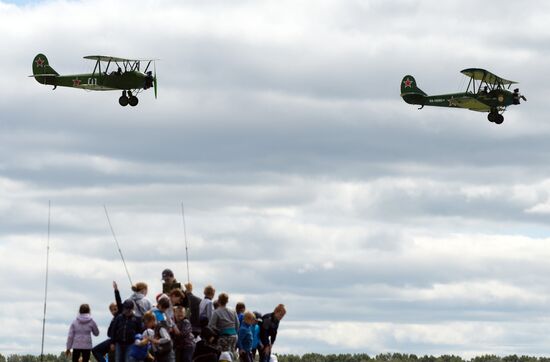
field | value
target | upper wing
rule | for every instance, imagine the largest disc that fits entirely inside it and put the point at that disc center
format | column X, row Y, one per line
column 107, row 58
column 486, row 76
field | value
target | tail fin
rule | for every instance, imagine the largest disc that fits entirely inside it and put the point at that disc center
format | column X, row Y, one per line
column 41, row 68
column 410, row 92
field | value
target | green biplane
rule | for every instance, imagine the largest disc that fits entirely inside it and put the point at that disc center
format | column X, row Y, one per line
column 126, row 77
column 486, row 92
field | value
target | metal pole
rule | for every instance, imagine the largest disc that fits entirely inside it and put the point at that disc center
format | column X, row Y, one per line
column 185, row 238
column 46, row 284
column 117, row 245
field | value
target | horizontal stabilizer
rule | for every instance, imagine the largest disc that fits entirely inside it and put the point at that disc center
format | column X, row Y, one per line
column 44, row 75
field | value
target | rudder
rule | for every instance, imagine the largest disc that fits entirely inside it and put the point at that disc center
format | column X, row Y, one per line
column 410, row 92
column 41, row 66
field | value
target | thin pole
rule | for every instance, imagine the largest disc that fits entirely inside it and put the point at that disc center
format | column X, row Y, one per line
column 117, row 245
column 46, row 283
column 185, row 237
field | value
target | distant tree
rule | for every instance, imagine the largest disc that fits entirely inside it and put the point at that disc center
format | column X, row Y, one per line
column 383, row 357
column 288, row 358
column 528, row 359
column 449, row 358
column 511, row 358
column 486, row 358
column 313, row 357
column 2, row 358
column 427, row 359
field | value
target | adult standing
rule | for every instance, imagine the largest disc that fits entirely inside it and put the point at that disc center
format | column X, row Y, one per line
column 142, row 304
column 125, row 327
column 268, row 331
column 192, row 302
column 169, row 281
column 80, row 335
column 206, row 307
column 226, row 323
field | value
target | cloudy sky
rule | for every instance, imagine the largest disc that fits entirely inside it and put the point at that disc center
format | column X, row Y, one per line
column 306, row 179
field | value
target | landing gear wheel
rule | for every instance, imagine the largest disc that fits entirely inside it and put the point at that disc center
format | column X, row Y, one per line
column 123, row 100
column 133, row 101
column 492, row 117
column 499, row 119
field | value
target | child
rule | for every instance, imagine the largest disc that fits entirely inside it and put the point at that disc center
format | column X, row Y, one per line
column 140, row 349
column 144, row 343
column 244, row 341
column 164, row 351
column 80, row 335
column 240, row 308
column 184, row 343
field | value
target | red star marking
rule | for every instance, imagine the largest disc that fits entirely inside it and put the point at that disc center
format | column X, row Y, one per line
column 76, row 82
column 408, row 83
column 40, row 62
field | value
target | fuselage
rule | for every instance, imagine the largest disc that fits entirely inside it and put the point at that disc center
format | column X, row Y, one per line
column 100, row 81
column 481, row 102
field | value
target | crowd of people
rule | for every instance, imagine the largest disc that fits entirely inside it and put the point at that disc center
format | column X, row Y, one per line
column 180, row 327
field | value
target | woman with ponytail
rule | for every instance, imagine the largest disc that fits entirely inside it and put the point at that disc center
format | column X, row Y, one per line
column 143, row 305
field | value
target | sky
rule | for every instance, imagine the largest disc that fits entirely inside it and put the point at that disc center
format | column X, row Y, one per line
column 306, row 179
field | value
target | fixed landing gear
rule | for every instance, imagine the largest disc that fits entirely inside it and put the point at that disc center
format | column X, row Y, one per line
column 128, row 98
column 495, row 117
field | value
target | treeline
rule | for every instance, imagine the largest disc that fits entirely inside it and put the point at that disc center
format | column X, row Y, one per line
column 32, row 358
column 399, row 357
column 315, row 357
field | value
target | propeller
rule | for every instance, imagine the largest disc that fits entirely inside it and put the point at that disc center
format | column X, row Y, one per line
column 155, row 78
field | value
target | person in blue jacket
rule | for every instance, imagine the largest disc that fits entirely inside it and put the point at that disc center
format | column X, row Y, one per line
column 256, row 334
column 245, row 337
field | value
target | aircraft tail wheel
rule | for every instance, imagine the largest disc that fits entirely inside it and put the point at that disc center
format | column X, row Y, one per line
column 123, row 101
column 133, row 101
column 499, row 119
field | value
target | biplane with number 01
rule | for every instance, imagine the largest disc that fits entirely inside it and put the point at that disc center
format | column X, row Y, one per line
column 486, row 92
column 127, row 76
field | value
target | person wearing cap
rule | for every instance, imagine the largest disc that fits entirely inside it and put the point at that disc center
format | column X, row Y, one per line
column 170, row 281
column 125, row 327
column 268, row 331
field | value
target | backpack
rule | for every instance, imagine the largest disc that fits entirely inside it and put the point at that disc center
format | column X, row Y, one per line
column 139, row 352
column 165, row 345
